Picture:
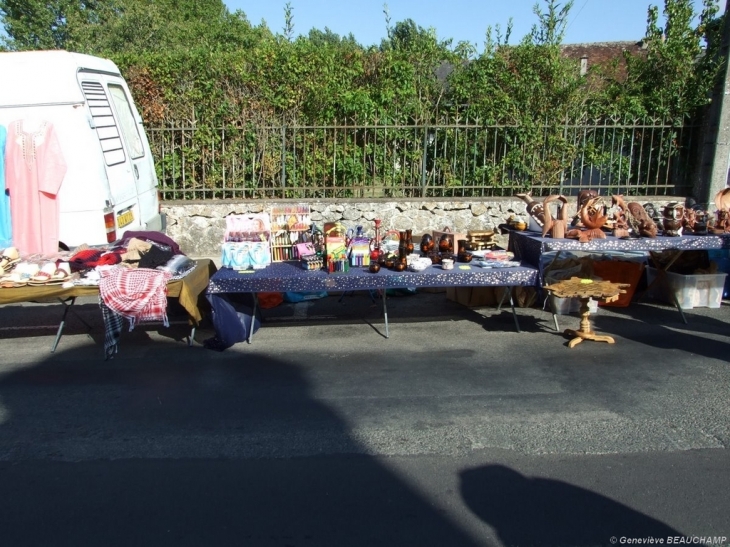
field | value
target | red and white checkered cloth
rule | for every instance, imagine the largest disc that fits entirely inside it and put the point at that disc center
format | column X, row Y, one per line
column 139, row 294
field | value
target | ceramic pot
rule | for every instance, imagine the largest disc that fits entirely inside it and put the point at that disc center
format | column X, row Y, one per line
column 427, row 244
column 445, row 244
column 374, row 267
column 409, row 241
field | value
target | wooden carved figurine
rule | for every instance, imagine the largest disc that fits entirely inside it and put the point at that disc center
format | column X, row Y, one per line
column 694, row 221
column 558, row 226
column 673, row 214
column 722, row 204
column 634, row 219
column 722, row 224
column 722, row 200
column 534, row 208
column 593, row 216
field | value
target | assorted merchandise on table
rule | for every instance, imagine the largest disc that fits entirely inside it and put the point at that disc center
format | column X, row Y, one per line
column 131, row 274
column 661, row 236
column 596, row 217
column 254, row 241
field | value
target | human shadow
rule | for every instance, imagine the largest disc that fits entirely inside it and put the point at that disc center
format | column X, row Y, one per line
column 181, row 446
column 705, row 334
column 532, row 511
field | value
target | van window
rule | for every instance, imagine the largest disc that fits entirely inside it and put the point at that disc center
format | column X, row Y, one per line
column 126, row 121
column 106, row 125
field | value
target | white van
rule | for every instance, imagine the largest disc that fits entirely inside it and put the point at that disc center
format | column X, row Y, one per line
column 110, row 184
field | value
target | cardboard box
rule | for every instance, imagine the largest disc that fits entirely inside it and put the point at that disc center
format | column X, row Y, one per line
column 619, row 271
column 472, row 297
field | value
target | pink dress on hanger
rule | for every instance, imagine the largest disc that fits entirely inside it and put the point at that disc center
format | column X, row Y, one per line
column 34, row 171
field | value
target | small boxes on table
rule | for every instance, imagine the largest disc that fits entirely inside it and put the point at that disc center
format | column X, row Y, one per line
column 289, row 226
column 246, row 242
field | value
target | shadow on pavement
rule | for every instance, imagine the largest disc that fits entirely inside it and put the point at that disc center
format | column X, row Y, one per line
column 202, row 450
column 534, row 511
column 662, row 327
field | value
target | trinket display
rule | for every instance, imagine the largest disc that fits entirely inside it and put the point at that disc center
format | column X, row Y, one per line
column 556, row 227
column 375, row 250
column 722, row 206
column 694, row 221
column 246, row 242
column 359, row 248
column 445, row 244
column 593, row 218
column 290, row 225
column 534, row 208
column 447, row 241
column 311, row 262
column 631, row 220
column 427, row 244
column 673, row 213
column 481, row 240
column 335, row 244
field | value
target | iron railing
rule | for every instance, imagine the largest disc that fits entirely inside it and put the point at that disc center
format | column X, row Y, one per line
column 394, row 161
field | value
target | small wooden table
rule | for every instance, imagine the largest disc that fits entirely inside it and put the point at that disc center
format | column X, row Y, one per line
column 585, row 289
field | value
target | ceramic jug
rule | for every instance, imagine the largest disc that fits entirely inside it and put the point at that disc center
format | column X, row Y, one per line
column 427, row 244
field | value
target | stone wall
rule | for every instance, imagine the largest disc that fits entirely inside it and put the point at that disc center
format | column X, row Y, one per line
column 198, row 227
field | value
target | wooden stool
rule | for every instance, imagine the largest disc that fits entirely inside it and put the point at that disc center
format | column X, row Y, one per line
column 585, row 289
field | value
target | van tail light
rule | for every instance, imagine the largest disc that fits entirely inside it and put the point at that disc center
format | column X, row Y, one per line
column 111, row 228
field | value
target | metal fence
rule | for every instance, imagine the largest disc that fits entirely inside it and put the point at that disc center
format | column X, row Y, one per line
column 395, row 161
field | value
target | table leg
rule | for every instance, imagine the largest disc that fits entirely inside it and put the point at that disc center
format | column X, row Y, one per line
column 67, row 304
column 661, row 279
column 385, row 313
column 585, row 332
column 514, row 313
column 253, row 316
column 512, row 303
column 62, row 324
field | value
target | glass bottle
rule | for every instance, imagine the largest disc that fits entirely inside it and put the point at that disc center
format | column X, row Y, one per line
column 375, row 252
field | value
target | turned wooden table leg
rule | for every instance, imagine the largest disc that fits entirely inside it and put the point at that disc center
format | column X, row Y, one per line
column 585, row 332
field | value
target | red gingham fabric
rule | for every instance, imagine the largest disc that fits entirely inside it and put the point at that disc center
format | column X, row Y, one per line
column 138, row 294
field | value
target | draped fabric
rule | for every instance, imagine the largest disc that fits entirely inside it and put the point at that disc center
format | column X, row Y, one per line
column 34, row 170
column 6, row 228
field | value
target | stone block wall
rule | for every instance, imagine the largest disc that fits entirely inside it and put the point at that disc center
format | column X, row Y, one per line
column 198, row 227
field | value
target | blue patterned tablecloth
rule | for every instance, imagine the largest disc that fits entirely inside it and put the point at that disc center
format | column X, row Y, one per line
column 290, row 277
column 529, row 246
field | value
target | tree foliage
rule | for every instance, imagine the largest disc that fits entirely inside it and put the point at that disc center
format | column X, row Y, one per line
column 195, row 53
column 194, row 62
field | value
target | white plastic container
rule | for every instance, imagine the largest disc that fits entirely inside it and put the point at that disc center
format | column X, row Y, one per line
column 692, row 291
column 566, row 306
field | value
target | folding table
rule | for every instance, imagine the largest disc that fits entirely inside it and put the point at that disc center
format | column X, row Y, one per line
column 187, row 290
column 291, row 277
column 530, row 246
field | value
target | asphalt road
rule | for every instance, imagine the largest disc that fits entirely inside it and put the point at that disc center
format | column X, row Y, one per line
column 457, row 430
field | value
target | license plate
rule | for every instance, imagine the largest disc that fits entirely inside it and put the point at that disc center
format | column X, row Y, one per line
column 125, row 218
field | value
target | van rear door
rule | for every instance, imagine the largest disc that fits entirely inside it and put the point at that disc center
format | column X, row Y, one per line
column 128, row 162
column 138, row 148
